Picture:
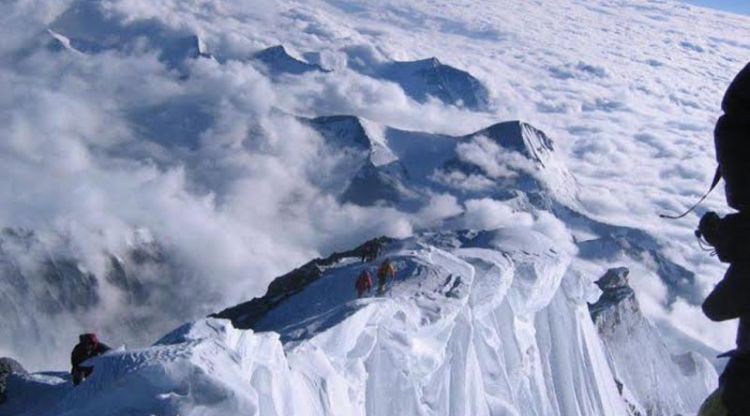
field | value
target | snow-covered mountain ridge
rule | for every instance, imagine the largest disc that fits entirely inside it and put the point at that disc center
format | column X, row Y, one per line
column 509, row 163
column 487, row 323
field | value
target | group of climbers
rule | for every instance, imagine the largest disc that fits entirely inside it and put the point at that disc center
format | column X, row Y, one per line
column 363, row 284
column 730, row 238
column 369, row 253
column 89, row 345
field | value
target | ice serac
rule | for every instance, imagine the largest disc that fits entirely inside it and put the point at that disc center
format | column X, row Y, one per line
column 662, row 382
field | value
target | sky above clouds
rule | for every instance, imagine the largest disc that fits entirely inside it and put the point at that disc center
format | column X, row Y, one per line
column 735, row 6
column 629, row 93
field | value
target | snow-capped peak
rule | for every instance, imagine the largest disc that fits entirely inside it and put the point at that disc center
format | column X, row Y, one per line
column 278, row 62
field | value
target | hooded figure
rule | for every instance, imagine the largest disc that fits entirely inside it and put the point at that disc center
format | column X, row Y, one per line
column 730, row 299
column 88, row 347
column 730, row 237
column 732, row 141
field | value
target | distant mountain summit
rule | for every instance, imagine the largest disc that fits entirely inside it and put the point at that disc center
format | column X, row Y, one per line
column 429, row 78
column 88, row 27
column 402, row 168
column 278, row 62
column 426, row 78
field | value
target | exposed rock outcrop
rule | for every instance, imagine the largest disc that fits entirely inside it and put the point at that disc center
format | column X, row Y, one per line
column 640, row 360
column 8, row 366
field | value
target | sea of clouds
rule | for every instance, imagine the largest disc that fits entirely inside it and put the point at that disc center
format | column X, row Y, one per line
column 91, row 164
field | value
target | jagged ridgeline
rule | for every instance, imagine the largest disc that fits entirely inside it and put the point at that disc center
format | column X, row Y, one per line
column 486, row 322
column 88, row 27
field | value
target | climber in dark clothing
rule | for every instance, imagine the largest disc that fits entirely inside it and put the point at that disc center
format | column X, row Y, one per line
column 730, row 237
column 730, row 299
column 88, row 347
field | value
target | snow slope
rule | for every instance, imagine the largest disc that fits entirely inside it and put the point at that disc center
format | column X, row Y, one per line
column 474, row 324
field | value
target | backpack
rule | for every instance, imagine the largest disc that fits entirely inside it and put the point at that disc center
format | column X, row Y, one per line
column 732, row 141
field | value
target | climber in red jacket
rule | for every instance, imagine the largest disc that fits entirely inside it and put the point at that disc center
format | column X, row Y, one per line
column 363, row 283
column 88, row 347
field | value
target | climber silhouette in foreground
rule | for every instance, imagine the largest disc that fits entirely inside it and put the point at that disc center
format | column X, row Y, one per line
column 363, row 283
column 88, row 347
column 730, row 238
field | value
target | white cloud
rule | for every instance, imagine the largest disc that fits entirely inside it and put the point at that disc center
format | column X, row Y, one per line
column 494, row 160
column 439, row 208
column 489, row 214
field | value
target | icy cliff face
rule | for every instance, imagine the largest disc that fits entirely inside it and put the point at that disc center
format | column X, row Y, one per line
column 640, row 360
column 488, row 323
